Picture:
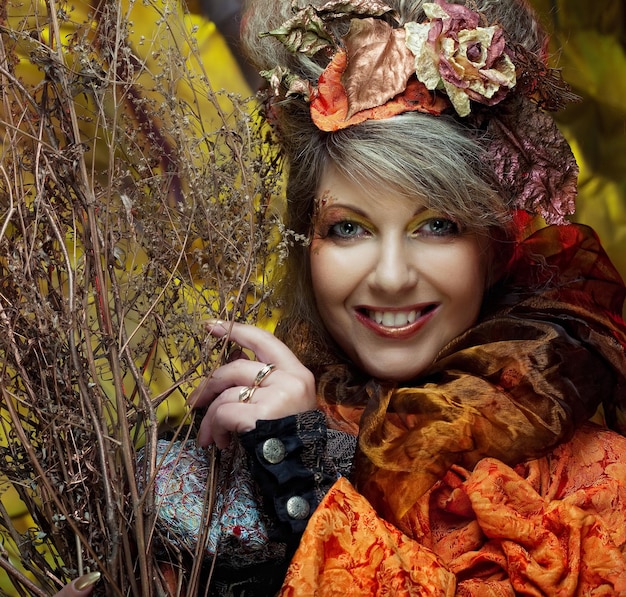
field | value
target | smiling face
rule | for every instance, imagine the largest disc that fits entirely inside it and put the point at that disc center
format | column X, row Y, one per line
column 394, row 282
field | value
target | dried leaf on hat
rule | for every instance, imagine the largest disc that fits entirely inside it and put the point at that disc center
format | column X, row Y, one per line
column 329, row 105
column 542, row 84
column 305, row 32
column 379, row 64
column 533, row 160
column 281, row 78
column 340, row 8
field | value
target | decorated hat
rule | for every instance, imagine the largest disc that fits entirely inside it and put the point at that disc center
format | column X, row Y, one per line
column 453, row 62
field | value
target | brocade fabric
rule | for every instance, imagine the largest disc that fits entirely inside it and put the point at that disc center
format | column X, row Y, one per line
column 551, row 526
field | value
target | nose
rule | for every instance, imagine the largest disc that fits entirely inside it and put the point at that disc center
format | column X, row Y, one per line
column 396, row 268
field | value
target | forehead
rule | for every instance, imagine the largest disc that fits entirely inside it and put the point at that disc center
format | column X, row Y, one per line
column 336, row 187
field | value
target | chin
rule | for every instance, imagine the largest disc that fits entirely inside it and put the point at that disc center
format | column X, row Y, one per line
column 394, row 371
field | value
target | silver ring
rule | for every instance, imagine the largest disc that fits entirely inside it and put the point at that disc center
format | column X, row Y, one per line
column 245, row 394
column 262, row 374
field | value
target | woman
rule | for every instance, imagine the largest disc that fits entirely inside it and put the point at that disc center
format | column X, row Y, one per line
column 452, row 341
column 421, row 424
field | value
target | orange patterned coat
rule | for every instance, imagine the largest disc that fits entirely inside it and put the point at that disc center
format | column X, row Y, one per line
column 552, row 526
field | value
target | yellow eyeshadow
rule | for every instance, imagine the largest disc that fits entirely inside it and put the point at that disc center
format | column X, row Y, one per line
column 423, row 216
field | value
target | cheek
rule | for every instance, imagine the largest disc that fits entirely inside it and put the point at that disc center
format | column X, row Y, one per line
column 459, row 274
column 467, row 287
column 322, row 273
column 315, row 257
column 330, row 278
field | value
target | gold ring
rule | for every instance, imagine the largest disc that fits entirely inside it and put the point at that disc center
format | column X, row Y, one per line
column 245, row 394
column 262, row 374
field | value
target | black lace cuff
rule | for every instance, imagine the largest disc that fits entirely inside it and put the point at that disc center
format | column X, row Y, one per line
column 289, row 461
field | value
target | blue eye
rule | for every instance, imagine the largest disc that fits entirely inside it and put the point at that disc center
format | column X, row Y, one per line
column 346, row 229
column 439, row 227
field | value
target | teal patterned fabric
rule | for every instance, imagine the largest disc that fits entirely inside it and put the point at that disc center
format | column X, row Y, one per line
column 239, row 529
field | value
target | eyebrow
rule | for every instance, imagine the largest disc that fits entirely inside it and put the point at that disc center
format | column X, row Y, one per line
column 358, row 210
column 421, row 210
column 328, row 194
column 344, row 206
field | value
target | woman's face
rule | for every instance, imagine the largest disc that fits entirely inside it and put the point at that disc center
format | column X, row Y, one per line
column 394, row 282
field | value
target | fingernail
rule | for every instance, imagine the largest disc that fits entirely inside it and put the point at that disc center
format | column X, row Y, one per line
column 215, row 322
column 86, row 581
column 216, row 327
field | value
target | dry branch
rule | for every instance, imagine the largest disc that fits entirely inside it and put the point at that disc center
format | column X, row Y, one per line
column 136, row 202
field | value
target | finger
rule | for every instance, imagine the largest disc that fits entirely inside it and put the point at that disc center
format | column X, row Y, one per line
column 81, row 587
column 232, row 416
column 239, row 420
column 266, row 347
column 238, row 373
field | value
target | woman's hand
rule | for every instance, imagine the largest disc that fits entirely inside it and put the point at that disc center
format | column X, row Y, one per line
column 244, row 391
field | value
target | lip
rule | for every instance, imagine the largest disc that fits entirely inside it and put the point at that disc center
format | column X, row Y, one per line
column 396, row 332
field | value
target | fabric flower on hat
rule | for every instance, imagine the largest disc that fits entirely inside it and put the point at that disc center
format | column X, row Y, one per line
column 452, row 51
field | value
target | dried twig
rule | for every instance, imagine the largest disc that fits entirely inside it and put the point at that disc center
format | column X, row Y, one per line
column 136, row 202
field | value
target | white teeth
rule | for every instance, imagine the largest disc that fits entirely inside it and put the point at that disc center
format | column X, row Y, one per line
column 394, row 319
column 389, row 319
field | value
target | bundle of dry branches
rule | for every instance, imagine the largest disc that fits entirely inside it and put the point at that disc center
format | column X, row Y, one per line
column 135, row 203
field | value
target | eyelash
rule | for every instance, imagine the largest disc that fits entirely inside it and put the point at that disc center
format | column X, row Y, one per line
column 450, row 228
column 453, row 228
column 334, row 232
